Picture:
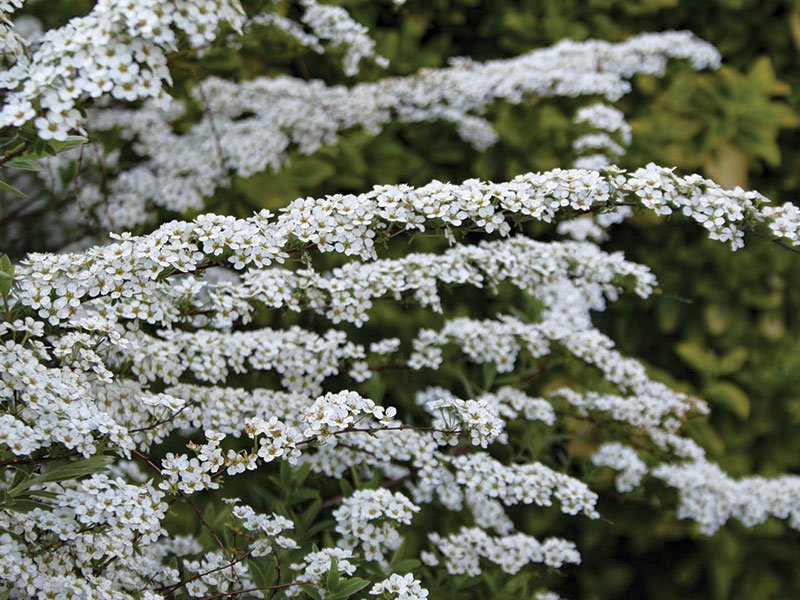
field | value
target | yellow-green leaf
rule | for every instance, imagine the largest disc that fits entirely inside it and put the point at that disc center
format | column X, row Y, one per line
column 728, row 396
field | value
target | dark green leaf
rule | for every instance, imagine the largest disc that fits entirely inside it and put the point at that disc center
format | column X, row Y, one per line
column 311, row 591
column 65, row 471
column 72, row 141
column 348, row 588
column 12, row 190
column 25, row 164
column 6, row 274
column 332, row 580
column 262, row 571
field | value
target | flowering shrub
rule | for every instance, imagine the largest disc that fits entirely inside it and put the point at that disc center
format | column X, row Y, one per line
column 152, row 382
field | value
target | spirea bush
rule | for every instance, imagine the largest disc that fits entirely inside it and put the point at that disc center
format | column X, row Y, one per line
column 216, row 406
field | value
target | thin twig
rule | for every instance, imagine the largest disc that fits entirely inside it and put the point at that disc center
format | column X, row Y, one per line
column 162, row 421
column 774, row 241
column 214, row 132
column 253, row 589
column 168, row 589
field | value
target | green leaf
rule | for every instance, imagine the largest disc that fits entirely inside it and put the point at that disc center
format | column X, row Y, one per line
column 307, row 518
column 310, row 172
column 406, row 566
column 6, row 275
column 332, row 580
column 733, row 360
column 729, row 396
column 72, row 141
column 467, row 385
column 348, row 588
column 286, row 473
column 319, row 526
column 489, row 375
column 718, row 318
column 22, row 473
column 262, row 571
column 25, row 164
column 65, row 471
column 303, row 495
column 516, row 583
column 12, row 190
column 701, row 359
column 397, row 556
column 302, row 474
column 25, row 505
column 311, row 591
column 346, row 488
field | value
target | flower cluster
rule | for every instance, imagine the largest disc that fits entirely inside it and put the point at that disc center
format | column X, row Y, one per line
column 316, row 565
column 98, row 520
column 464, row 550
column 119, row 48
column 453, row 415
column 711, row 497
column 333, row 413
column 401, row 587
column 524, row 484
column 253, row 125
column 368, row 519
column 623, row 459
column 271, row 527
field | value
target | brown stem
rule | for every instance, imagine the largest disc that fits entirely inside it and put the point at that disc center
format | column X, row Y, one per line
column 253, row 589
column 18, row 152
column 168, row 589
column 162, row 421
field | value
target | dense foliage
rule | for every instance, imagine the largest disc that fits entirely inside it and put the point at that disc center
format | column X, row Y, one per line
column 513, row 409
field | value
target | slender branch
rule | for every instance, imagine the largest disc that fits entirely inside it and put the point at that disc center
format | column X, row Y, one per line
column 213, row 125
column 185, row 498
column 12, row 462
column 12, row 155
column 162, row 421
column 758, row 234
column 379, row 429
column 169, row 589
column 254, row 589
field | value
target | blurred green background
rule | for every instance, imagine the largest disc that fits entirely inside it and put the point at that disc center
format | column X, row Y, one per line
column 726, row 326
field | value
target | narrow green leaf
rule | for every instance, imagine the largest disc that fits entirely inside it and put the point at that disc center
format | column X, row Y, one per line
column 348, row 588
column 467, row 385
column 729, row 396
column 311, row 591
column 406, row 566
column 397, row 556
column 303, row 495
column 321, row 526
column 25, row 164
column 286, row 473
column 65, row 471
column 302, row 474
column 307, row 518
column 12, row 190
column 72, row 141
column 332, row 580
column 25, row 505
column 515, row 584
column 6, row 275
column 346, row 488
column 260, row 572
